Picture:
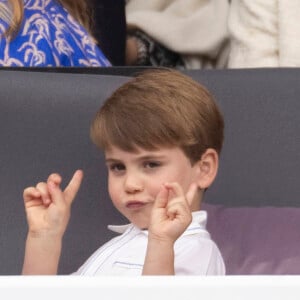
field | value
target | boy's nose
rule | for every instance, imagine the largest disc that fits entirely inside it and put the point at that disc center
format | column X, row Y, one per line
column 133, row 184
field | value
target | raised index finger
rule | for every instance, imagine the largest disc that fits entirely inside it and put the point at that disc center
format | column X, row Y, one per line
column 161, row 200
column 176, row 188
column 73, row 186
column 178, row 191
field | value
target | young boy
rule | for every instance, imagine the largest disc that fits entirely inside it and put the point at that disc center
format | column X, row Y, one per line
column 161, row 134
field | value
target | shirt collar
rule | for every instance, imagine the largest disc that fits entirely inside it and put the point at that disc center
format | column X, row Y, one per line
column 119, row 228
column 198, row 224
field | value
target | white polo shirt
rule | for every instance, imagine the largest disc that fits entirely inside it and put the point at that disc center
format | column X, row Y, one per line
column 195, row 252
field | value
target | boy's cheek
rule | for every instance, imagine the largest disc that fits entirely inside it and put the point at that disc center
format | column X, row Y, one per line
column 112, row 190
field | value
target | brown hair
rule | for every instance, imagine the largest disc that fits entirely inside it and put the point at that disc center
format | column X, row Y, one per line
column 160, row 108
column 13, row 14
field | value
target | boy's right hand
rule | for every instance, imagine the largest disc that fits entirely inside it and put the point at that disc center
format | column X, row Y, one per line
column 48, row 207
column 171, row 215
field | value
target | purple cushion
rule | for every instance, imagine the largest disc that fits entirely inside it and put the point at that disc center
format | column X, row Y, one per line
column 256, row 240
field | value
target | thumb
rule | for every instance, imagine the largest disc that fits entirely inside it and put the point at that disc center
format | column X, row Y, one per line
column 73, row 186
column 161, row 200
column 190, row 195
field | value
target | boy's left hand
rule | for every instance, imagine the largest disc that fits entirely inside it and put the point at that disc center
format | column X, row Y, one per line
column 171, row 215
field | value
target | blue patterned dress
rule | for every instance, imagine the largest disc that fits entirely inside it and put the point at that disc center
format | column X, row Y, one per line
column 49, row 36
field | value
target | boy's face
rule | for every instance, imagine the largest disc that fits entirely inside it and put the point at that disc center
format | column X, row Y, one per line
column 135, row 178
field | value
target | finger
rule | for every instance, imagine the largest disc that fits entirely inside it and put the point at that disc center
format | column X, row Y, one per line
column 73, row 186
column 56, row 178
column 172, row 211
column 175, row 188
column 177, row 192
column 43, row 189
column 179, row 210
column 191, row 193
column 178, row 206
column 161, row 200
column 31, row 193
column 55, row 192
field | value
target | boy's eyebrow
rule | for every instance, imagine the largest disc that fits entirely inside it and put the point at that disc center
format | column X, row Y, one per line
column 112, row 160
column 140, row 158
column 150, row 157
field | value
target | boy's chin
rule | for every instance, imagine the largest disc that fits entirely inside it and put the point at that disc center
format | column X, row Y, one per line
column 140, row 219
column 141, row 225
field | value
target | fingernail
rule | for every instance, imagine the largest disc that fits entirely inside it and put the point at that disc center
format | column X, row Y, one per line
column 51, row 184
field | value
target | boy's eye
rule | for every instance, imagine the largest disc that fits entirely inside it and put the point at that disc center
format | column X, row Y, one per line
column 117, row 167
column 151, row 164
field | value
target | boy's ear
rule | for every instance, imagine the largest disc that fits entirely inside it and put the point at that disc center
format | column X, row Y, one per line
column 207, row 168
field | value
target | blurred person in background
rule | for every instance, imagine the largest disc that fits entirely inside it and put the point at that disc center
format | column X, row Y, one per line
column 45, row 33
column 184, row 34
column 264, row 33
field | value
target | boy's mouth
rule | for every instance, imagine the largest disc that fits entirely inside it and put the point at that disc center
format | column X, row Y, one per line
column 135, row 204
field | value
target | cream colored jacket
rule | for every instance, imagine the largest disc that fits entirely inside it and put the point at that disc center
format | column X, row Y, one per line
column 196, row 29
column 264, row 33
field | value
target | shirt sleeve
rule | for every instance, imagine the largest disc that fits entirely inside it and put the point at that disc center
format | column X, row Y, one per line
column 195, row 255
column 27, row 51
